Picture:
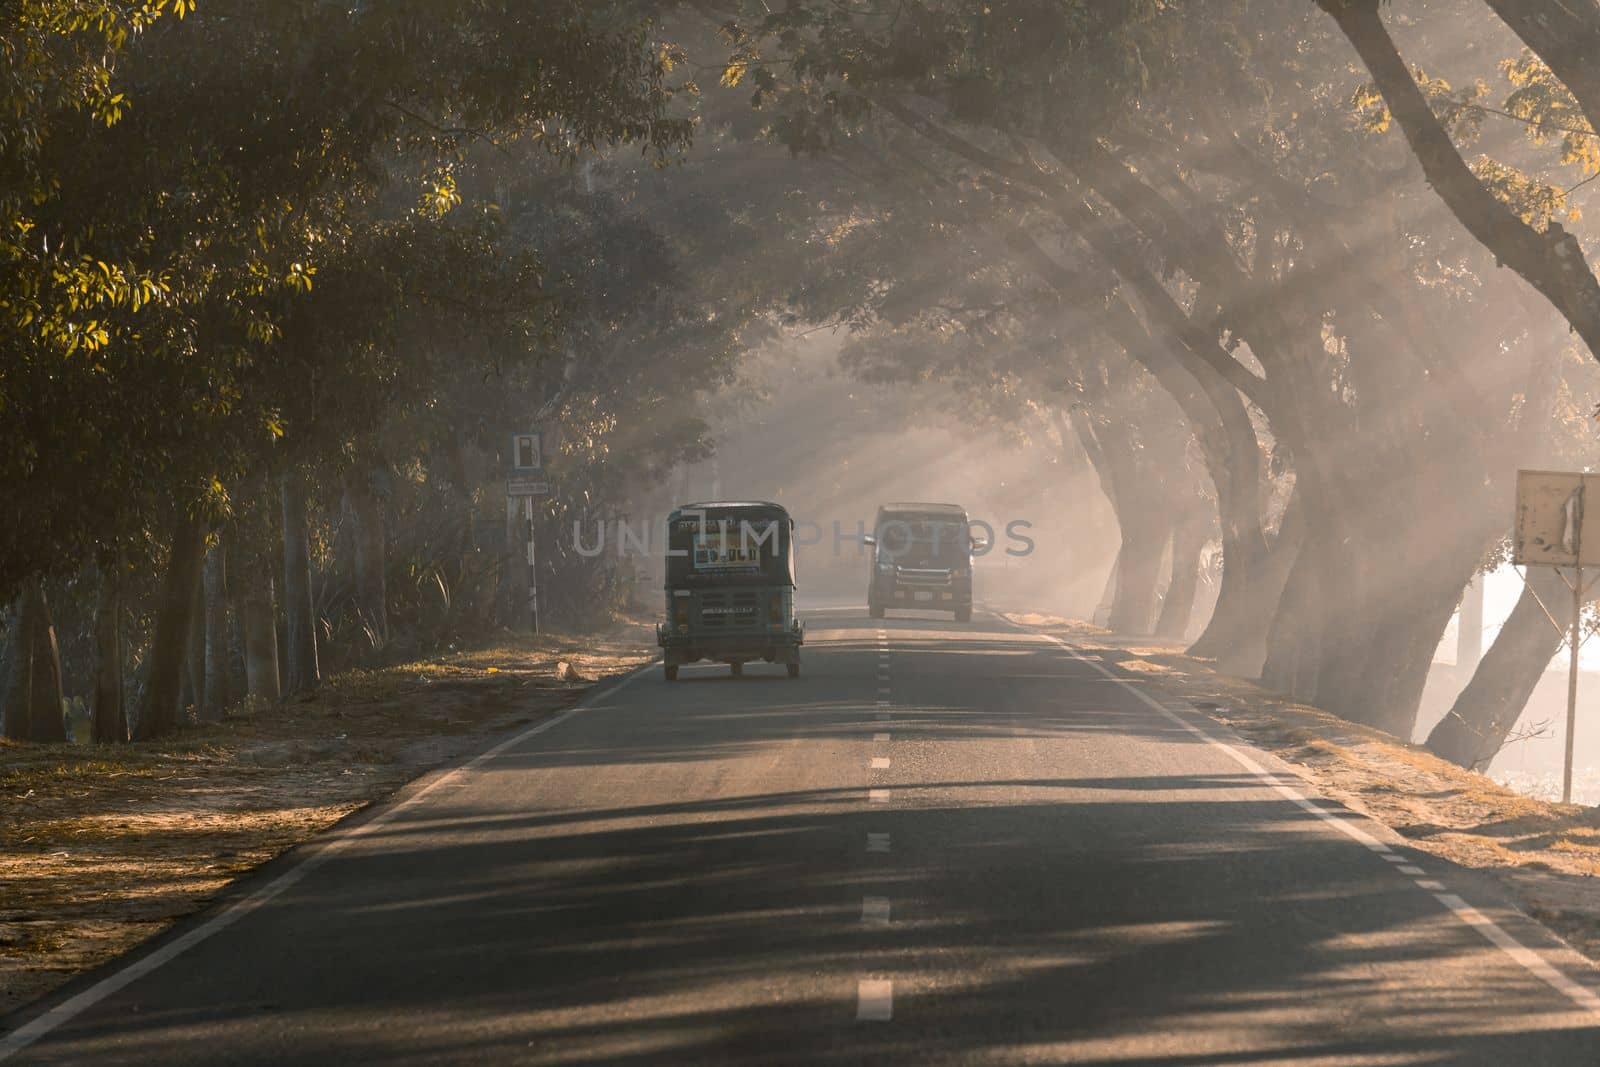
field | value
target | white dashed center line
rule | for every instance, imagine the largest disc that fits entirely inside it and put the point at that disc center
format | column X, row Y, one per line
column 875, row 996
column 875, row 1000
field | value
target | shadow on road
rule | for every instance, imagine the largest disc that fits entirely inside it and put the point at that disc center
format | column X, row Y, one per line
column 1063, row 911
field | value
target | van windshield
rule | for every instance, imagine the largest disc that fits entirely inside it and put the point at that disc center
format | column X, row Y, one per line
column 922, row 542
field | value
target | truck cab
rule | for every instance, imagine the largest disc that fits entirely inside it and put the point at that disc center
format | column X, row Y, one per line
column 921, row 559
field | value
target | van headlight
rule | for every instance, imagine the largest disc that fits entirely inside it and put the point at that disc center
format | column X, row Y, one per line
column 886, row 566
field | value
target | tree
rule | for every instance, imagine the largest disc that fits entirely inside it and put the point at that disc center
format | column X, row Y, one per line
column 1213, row 209
column 244, row 159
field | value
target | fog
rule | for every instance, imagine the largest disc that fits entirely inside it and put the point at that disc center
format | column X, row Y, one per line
column 800, row 432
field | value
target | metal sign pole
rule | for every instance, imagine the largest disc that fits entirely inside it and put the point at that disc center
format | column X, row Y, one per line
column 1549, row 532
column 533, row 569
column 526, row 479
column 1572, row 685
column 1575, row 518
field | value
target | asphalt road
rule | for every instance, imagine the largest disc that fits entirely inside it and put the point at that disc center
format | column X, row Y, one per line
column 943, row 844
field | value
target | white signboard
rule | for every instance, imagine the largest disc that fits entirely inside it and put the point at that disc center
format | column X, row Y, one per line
column 527, row 452
column 1558, row 515
column 527, row 485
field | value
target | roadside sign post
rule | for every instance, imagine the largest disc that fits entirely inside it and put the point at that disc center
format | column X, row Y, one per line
column 1575, row 641
column 526, row 480
column 1550, row 531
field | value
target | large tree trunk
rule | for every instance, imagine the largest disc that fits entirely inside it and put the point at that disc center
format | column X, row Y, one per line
column 1484, row 712
column 1187, row 370
column 1108, row 595
column 1138, row 574
column 1295, row 637
column 169, row 650
column 33, row 701
column 1390, row 579
column 1256, row 600
column 1236, row 636
column 109, row 718
column 261, row 640
column 364, row 512
column 238, row 685
column 217, row 696
column 1227, row 438
column 299, row 610
column 1177, row 607
column 46, row 696
column 193, row 694
column 1382, row 686
column 12, row 724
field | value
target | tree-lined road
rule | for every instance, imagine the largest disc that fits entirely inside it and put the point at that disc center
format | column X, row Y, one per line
column 943, row 844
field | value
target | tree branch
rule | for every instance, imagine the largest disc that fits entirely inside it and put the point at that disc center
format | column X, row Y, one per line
column 1552, row 262
column 1070, row 207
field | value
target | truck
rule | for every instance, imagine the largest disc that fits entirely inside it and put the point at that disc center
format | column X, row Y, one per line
column 921, row 558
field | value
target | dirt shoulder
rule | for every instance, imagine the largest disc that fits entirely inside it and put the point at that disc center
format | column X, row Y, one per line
column 1546, row 855
column 104, row 846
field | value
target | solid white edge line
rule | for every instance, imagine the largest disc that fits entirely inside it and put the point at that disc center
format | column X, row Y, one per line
column 1492, row 932
column 325, row 846
column 1531, row 961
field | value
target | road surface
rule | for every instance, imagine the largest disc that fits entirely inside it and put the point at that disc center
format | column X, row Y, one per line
column 943, row 844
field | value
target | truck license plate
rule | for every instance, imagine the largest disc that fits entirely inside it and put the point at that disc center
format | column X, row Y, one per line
column 923, row 596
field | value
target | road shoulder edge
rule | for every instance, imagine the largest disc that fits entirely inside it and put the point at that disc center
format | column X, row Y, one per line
column 260, row 886
column 1529, row 951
